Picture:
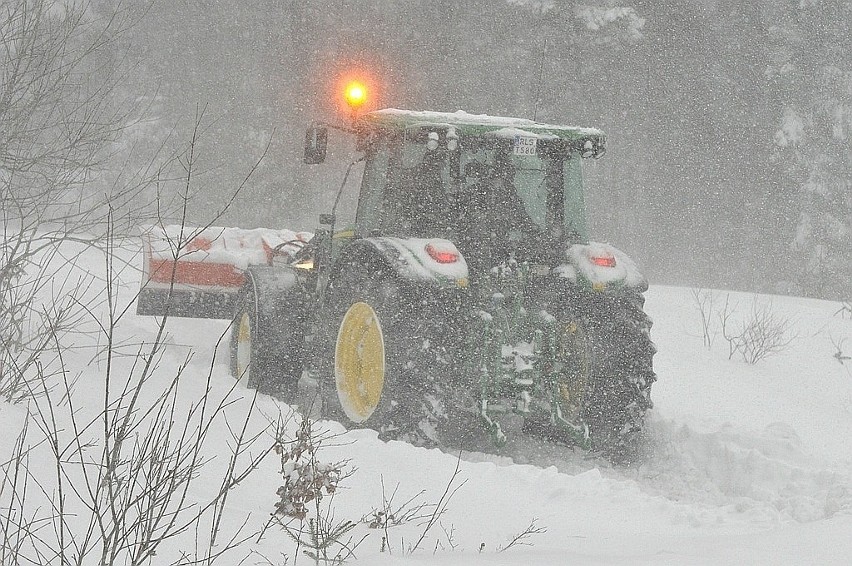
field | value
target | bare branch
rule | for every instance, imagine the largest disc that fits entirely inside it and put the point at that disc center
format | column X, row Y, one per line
column 522, row 538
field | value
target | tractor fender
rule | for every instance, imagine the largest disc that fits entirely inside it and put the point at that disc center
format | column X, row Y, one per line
column 433, row 262
column 280, row 305
column 601, row 267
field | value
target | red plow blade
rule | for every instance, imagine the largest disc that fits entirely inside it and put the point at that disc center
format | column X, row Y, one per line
column 197, row 273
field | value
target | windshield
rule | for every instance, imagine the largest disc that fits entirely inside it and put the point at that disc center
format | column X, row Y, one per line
column 485, row 190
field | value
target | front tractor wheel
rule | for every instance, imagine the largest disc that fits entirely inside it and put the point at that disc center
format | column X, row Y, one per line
column 598, row 389
column 265, row 351
column 241, row 350
column 572, row 383
column 567, row 389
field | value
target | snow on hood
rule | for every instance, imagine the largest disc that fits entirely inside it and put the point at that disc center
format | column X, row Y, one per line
column 624, row 271
column 511, row 133
column 460, row 117
column 415, row 263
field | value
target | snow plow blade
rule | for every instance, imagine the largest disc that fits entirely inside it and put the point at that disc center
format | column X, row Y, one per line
column 198, row 273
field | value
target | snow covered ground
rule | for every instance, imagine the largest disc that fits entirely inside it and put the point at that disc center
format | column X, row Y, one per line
column 745, row 464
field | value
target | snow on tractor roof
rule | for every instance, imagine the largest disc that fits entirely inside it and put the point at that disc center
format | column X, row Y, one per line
column 478, row 124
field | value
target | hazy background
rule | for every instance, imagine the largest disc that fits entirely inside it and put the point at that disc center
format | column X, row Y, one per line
column 728, row 122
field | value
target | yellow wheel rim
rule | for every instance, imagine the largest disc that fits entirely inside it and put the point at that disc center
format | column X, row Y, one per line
column 359, row 362
column 243, row 347
column 574, row 380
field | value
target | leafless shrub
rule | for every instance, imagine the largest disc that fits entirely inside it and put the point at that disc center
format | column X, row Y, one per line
column 844, row 310
column 40, row 302
column 839, row 355
column 121, row 476
column 300, row 510
column 725, row 314
column 305, row 506
column 762, row 333
column 440, row 507
column 61, row 113
column 449, row 535
column 394, row 515
column 414, row 509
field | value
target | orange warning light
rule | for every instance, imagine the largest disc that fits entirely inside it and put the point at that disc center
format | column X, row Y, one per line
column 355, row 94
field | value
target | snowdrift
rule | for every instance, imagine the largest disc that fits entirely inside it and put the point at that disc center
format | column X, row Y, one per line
column 743, row 463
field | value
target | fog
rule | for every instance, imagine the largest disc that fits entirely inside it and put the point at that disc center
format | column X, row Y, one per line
column 132, row 132
column 728, row 122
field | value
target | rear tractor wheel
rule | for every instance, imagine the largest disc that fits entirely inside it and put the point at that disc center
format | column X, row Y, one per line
column 385, row 359
column 359, row 362
column 619, row 394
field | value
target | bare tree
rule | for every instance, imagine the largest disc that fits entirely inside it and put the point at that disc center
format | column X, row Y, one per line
column 61, row 114
column 61, row 107
column 121, row 476
column 704, row 303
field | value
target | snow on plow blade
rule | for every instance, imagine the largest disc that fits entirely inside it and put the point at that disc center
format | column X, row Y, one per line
column 198, row 273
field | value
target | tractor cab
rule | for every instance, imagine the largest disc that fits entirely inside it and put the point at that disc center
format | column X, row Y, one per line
column 470, row 257
column 492, row 185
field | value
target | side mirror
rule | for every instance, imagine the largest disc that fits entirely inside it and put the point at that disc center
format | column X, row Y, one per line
column 316, row 143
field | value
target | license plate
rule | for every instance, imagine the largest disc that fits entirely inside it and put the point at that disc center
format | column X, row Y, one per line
column 524, row 145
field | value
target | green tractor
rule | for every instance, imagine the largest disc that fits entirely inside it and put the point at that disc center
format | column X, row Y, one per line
column 466, row 294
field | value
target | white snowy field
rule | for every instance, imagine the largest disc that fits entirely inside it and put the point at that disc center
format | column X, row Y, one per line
column 744, row 464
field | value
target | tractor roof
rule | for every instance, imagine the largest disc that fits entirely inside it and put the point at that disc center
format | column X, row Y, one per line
column 476, row 124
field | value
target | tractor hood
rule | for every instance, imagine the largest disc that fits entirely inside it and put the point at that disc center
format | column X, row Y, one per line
column 426, row 260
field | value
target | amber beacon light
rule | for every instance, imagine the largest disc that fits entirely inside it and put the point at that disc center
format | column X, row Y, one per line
column 355, row 94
